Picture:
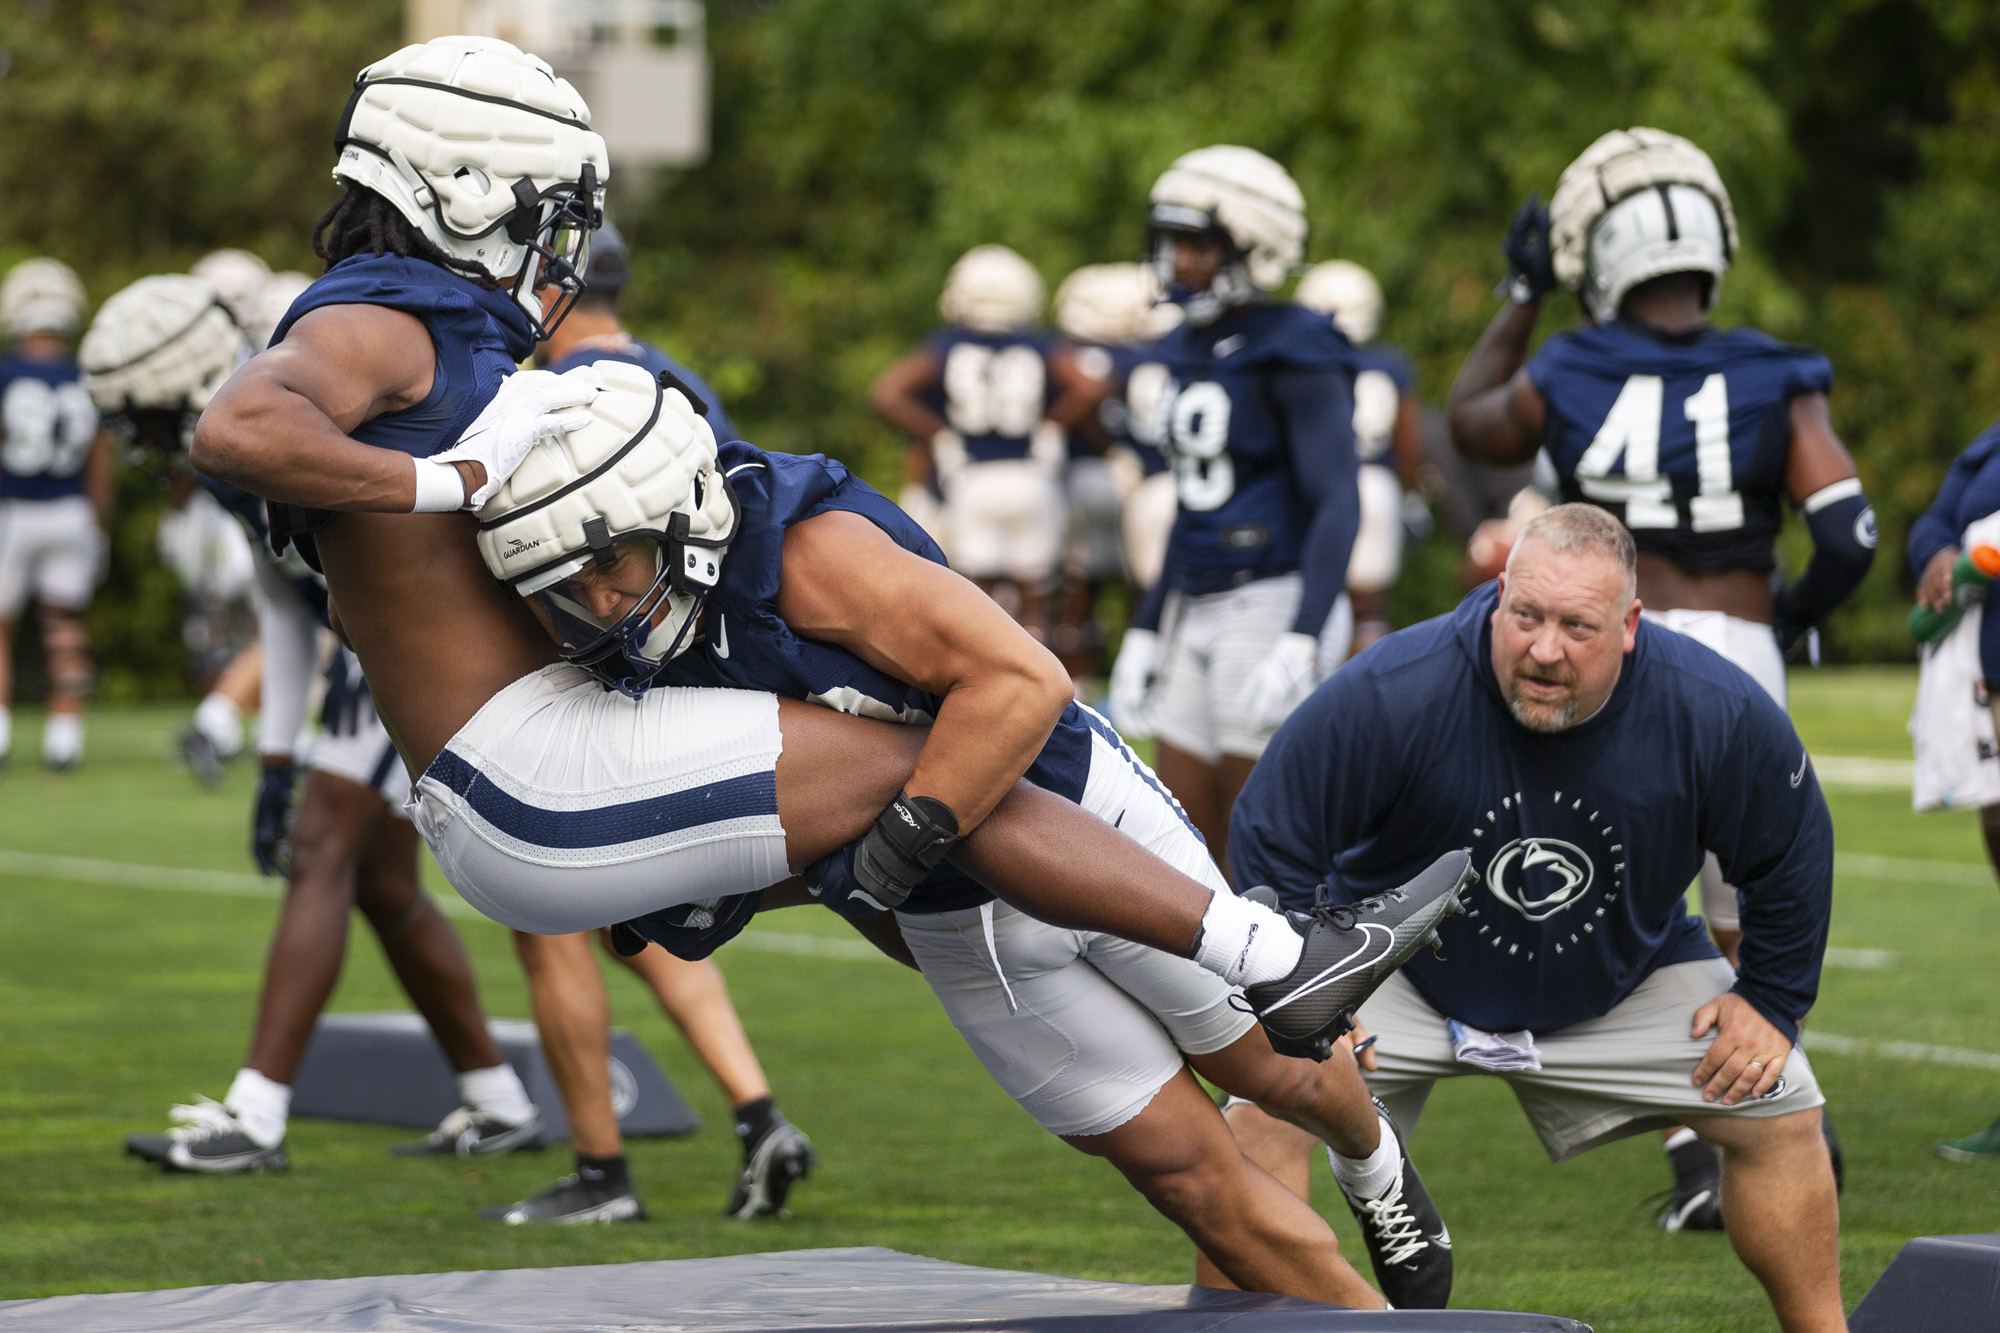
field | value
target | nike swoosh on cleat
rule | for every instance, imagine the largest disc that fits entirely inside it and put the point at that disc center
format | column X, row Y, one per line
column 1347, row 966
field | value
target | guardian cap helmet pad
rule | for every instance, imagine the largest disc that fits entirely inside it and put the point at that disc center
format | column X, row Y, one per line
column 488, row 154
column 639, row 483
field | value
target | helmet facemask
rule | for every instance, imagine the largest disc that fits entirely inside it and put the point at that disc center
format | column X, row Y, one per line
column 555, row 228
column 631, row 606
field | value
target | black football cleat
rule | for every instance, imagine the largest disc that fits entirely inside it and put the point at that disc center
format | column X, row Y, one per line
column 1408, row 1244
column 1696, row 1201
column 213, row 1142
column 1350, row 950
column 779, row 1158
column 572, row 1201
column 198, row 752
column 469, row 1133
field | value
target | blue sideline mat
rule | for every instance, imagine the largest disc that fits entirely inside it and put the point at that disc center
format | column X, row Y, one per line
column 799, row 1291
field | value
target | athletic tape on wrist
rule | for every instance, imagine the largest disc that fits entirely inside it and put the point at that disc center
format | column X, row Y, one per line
column 440, row 489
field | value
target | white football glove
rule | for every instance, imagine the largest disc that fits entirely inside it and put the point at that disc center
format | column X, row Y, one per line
column 1280, row 682
column 1132, row 677
column 531, row 406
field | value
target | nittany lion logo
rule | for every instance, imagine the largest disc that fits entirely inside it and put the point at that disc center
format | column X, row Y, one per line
column 1538, row 877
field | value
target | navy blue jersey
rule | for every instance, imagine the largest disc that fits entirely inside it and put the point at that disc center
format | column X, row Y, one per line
column 1585, row 839
column 48, row 422
column 1970, row 492
column 992, row 388
column 1684, row 437
column 1134, row 413
column 1383, row 376
column 747, row 646
column 1259, row 425
column 641, row 353
column 479, row 335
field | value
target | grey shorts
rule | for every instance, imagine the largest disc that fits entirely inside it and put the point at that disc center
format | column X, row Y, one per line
column 1600, row 1080
column 1082, row 1029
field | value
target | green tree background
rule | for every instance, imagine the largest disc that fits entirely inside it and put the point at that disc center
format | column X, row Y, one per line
column 861, row 145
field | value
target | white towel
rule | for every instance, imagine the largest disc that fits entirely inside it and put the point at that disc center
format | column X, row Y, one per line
column 1498, row 1052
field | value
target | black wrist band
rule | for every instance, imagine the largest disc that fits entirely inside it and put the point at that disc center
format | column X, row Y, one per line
column 910, row 837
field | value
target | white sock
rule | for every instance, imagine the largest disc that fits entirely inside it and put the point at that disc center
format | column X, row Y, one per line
column 498, row 1092
column 62, row 738
column 6, row 731
column 221, row 721
column 1246, row 943
column 1370, row 1177
column 1680, row 1138
column 261, row 1106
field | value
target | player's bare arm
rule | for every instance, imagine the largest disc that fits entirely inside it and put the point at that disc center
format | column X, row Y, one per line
column 1496, row 414
column 1817, row 458
column 895, row 394
column 280, row 427
column 100, row 478
column 845, row 582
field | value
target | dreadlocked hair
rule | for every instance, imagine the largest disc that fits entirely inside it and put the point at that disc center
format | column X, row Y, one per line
column 364, row 222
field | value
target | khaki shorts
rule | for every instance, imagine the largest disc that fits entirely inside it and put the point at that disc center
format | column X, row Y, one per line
column 1601, row 1079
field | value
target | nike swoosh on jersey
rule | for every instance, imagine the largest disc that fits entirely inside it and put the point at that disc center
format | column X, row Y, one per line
column 1800, row 776
column 721, row 644
column 1380, row 941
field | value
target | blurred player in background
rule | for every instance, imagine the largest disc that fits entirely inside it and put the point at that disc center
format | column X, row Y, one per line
column 155, row 355
column 239, row 278
column 987, row 401
column 572, row 1009
column 57, row 484
column 1694, row 436
column 1113, row 314
column 1953, row 723
column 1259, row 417
column 1388, row 429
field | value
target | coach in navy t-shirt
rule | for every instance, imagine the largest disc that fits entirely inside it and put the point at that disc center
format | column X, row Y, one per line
column 1587, row 760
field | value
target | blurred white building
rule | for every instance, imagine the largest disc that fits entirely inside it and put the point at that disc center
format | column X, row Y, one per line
column 642, row 65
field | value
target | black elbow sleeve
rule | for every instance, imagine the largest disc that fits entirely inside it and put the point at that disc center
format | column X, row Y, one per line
column 1842, row 524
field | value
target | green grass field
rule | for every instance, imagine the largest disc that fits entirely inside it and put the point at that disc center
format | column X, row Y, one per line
column 117, row 1001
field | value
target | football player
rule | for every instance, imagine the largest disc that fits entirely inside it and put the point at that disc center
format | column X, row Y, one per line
column 57, row 483
column 1957, row 760
column 388, row 406
column 154, row 356
column 1114, row 314
column 1696, row 437
column 1259, row 420
column 829, row 594
column 987, row 402
column 1388, row 436
column 572, row 1009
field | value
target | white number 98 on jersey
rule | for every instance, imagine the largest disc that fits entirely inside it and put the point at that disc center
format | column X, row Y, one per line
column 48, row 428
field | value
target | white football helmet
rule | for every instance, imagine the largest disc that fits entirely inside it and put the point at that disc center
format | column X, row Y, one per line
column 1247, row 198
column 488, row 154
column 991, row 289
column 237, row 276
column 1347, row 292
column 1111, row 304
column 156, row 354
column 41, row 296
column 635, row 499
column 1639, row 204
column 273, row 302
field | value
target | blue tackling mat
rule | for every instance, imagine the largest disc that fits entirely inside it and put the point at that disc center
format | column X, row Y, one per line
column 797, row 1291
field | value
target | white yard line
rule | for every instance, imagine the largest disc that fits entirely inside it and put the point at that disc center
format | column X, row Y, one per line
column 1853, row 770
column 125, row 875
column 1834, row 1044
column 1866, row 959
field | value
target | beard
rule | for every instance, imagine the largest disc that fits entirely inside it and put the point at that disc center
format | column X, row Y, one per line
column 1543, row 715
